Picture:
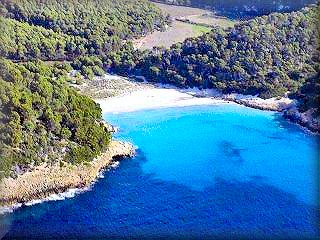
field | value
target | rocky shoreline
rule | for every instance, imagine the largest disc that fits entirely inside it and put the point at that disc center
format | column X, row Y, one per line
column 289, row 112
column 46, row 180
column 302, row 119
column 115, row 87
column 286, row 106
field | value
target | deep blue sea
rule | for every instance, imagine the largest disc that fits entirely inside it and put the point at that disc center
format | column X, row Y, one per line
column 219, row 171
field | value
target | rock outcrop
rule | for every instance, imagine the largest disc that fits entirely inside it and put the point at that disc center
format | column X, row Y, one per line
column 46, row 179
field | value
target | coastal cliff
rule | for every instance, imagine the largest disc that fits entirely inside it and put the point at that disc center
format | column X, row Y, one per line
column 46, row 180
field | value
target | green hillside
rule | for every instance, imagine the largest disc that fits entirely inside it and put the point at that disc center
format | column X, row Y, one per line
column 65, row 29
column 267, row 56
column 42, row 118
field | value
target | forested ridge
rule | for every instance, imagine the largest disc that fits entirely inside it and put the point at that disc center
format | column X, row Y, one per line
column 42, row 118
column 267, row 56
column 55, row 29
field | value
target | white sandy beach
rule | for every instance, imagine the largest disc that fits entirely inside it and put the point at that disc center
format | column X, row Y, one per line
column 165, row 96
column 151, row 98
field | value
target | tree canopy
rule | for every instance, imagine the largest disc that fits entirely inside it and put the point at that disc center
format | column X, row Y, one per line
column 64, row 29
column 266, row 56
column 42, row 118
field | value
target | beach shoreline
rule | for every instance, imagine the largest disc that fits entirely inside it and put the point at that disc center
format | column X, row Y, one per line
column 41, row 183
column 126, row 94
column 162, row 96
column 154, row 96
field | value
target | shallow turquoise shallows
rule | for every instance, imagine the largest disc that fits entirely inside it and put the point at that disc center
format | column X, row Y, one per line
column 204, row 171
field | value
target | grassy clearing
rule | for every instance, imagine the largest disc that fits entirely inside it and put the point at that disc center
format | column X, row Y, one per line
column 180, row 30
column 212, row 20
column 198, row 30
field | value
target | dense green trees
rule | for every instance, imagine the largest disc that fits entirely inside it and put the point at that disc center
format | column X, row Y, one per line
column 309, row 95
column 266, row 56
column 89, row 66
column 21, row 41
column 43, row 119
column 55, row 29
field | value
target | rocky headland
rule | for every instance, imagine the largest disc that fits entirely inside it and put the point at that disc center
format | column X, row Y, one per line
column 46, row 180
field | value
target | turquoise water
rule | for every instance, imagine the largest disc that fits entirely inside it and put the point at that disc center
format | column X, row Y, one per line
column 204, row 171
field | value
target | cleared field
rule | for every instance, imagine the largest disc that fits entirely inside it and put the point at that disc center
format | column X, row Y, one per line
column 195, row 15
column 198, row 30
column 211, row 20
column 179, row 31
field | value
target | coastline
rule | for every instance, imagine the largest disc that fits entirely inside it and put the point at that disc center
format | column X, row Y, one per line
column 161, row 96
column 54, row 182
column 149, row 96
column 121, row 94
column 40, row 183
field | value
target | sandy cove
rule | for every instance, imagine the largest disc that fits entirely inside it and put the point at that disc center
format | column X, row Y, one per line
column 45, row 180
column 121, row 94
column 161, row 97
column 151, row 98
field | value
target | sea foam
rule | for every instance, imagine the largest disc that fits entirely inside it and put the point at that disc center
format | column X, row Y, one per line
column 70, row 193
